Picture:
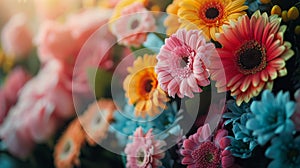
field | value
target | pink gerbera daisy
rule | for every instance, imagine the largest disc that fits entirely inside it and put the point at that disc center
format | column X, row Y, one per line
column 144, row 151
column 134, row 24
column 182, row 63
column 253, row 55
column 200, row 152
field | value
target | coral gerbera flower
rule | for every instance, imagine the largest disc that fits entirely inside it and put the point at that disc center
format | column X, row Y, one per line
column 210, row 15
column 131, row 29
column 144, row 151
column 172, row 21
column 67, row 150
column 96, row 120
column 182, row 63
column 142, row 89
column 253, row 55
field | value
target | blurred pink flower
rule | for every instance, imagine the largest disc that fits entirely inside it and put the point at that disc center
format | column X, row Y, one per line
column 200, row 151
column 52, row 9
column 16, row 37
column 14, row 82
column 95, row 45
column 83, row 24
column 43, row 105
column 63, row 41
column 144, row 151
column 55, row 41
column 132, row 27
column 296, row 115
column 3, row 109
column 182, row 63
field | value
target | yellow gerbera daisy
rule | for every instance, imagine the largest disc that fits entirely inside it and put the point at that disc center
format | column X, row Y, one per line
column 210, row 15
column 172, row 21
column 142, row 88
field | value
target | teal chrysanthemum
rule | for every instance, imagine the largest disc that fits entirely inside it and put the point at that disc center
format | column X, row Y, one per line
column 271, row 116
column 285, row 151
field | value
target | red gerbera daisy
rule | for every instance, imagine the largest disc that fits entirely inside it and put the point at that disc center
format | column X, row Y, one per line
column 253, row 55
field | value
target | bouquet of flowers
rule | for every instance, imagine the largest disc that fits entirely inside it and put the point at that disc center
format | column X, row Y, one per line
column 147, row 83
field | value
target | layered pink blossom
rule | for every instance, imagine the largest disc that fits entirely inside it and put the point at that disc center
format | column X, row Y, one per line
column 201, row 152
column 144, row 151
column 44, row 104
column 16, row 37
column 182, row 63
column 132, row 27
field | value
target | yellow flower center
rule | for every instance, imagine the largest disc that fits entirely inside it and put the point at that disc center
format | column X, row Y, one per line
column 148, row 83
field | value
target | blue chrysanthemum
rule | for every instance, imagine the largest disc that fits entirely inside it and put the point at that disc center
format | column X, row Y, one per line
column 271, row 116
column 285, row 151
column 240, row 149
column 235, row 111
column 126, row 123
column 243, row 143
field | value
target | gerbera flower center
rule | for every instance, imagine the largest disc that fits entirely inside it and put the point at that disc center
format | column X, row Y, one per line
column 140, row 157
column 134, row 24
column 212, row 13
column 251, row 57
column 148, row 85
column 67, row 148
column 207, row 155
column 184, row 61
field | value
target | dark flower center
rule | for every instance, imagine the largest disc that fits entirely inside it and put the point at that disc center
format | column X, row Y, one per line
column 212, row 13
column 251, row 57
column 67, row 147
column 184, row 61
column 98, row 119
column 134, row 24
column 148, row 85
column 140, row 157
column 207, row 155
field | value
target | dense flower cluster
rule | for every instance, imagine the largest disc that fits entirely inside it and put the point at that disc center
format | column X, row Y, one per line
column 182, row 83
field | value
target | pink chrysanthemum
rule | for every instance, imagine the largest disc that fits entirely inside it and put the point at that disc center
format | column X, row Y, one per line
column 144, row 151
column 132, row 27
column 200, row 152
column 182, row 63
column 253, row 56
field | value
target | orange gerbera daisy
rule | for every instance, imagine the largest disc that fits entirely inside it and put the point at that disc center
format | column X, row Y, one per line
column 96, row 120
column 252, row 57
column 67, row 150
column 210, row 15
column 172, row 21
column 142, row 88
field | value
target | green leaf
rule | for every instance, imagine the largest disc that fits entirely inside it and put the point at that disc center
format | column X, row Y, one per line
column 99, row 81
column 141, row 51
